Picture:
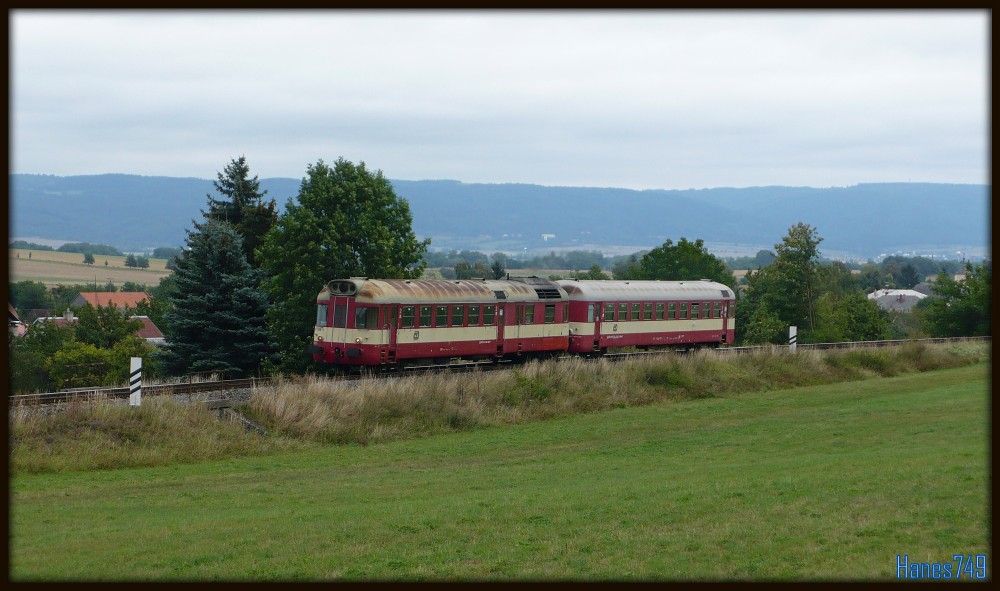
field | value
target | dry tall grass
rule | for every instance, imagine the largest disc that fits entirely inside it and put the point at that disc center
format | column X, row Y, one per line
column 381, row 409
column 97, row 435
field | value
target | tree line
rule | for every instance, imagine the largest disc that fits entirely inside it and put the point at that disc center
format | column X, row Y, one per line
column 242, row 298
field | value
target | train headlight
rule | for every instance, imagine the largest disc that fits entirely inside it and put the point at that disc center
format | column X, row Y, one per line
column 357, row 340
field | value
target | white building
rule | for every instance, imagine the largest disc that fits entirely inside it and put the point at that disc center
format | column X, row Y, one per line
column 896, row 300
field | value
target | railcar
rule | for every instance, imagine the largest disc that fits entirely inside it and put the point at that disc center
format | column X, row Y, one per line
column 646, row 314
column 386, row 322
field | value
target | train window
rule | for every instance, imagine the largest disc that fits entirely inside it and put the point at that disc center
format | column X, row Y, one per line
column 321, row 314
column 694, row 311
column 550, row 313
column 407, row 317
column 590, row 313
column 473, row 315
column 635, row 312
column 565, row 316
column 622, row 312
column 340, row 316
column 529, row 314
column 457, row 315
column 647, row 312
column 732, row 310
column 659, row 311
column 716, row 310
column 425, row 316
column 609, row 311
column 672, row 311
column 366, row 317
column 441, row 316
column 488, row 313
column 684, row 310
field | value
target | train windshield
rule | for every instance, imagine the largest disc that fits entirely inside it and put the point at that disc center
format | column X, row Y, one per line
column 340, row 316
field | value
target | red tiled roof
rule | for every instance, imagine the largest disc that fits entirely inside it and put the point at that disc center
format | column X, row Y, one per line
column 12, row 313
column 148, row 330
column 57, row 320
column 114, row 298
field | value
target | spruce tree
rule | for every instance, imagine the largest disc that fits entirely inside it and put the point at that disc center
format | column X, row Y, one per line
column 242, row 205
column 216, row 322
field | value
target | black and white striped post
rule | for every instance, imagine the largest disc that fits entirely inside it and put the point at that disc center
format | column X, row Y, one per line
column 135, row 382
column 793, row 337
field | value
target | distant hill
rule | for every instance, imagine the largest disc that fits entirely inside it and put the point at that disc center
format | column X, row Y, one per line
column 136, row 212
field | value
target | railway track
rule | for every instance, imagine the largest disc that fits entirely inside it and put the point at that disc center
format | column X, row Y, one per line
column 224, row 386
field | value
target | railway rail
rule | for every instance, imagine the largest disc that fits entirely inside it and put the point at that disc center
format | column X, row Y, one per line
column 222, row 386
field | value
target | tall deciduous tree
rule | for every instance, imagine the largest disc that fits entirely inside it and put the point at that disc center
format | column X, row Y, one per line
column 242, row 205
column 346, row 221
column 787, row 288
column 959, row 308
column 907, row 277
column 216, row 321
column 848, row 317
column 794, row 272
column 683, row 261
column 595, row 272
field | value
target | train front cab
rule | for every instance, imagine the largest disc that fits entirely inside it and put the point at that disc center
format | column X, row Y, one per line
column 352, row 333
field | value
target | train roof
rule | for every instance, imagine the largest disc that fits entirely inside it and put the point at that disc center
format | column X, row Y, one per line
column 602, row 290
column 430, row 291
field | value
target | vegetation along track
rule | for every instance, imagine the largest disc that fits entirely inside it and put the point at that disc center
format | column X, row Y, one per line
column 221, row 387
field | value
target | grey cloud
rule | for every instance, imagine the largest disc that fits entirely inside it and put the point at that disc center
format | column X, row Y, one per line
column 625, row 99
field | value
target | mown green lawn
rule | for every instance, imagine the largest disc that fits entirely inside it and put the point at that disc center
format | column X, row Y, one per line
column 821, row 482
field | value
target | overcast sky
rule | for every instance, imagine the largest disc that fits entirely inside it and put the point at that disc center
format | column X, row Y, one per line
column 641, row 100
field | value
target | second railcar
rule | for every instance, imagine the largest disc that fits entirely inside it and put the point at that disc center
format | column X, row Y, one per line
column 613, row 314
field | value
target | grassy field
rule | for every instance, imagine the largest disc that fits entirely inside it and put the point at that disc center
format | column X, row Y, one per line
column 817, row 482
column 53, row 268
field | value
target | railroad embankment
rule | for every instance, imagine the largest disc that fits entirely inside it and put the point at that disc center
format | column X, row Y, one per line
column 317, row 411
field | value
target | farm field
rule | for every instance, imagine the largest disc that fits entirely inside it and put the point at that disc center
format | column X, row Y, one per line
column 819, row 482
column 53, row 268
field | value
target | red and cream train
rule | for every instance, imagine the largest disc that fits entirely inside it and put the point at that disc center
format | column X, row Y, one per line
column 388, row 322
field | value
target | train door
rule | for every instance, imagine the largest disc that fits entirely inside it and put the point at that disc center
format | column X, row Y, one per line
column 598, row 309
column 725, row 320
column 340, row 319
column 391, row 322
column 500, row 321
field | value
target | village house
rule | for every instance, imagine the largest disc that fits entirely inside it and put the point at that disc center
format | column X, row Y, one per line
column 148, row 331
column 896, row 300
column 14, row 324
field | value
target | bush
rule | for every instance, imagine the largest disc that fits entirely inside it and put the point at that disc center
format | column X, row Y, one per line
column 78, row 365
column 30, row 353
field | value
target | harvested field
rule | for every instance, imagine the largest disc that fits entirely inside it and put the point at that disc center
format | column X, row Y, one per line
column 53, row 268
